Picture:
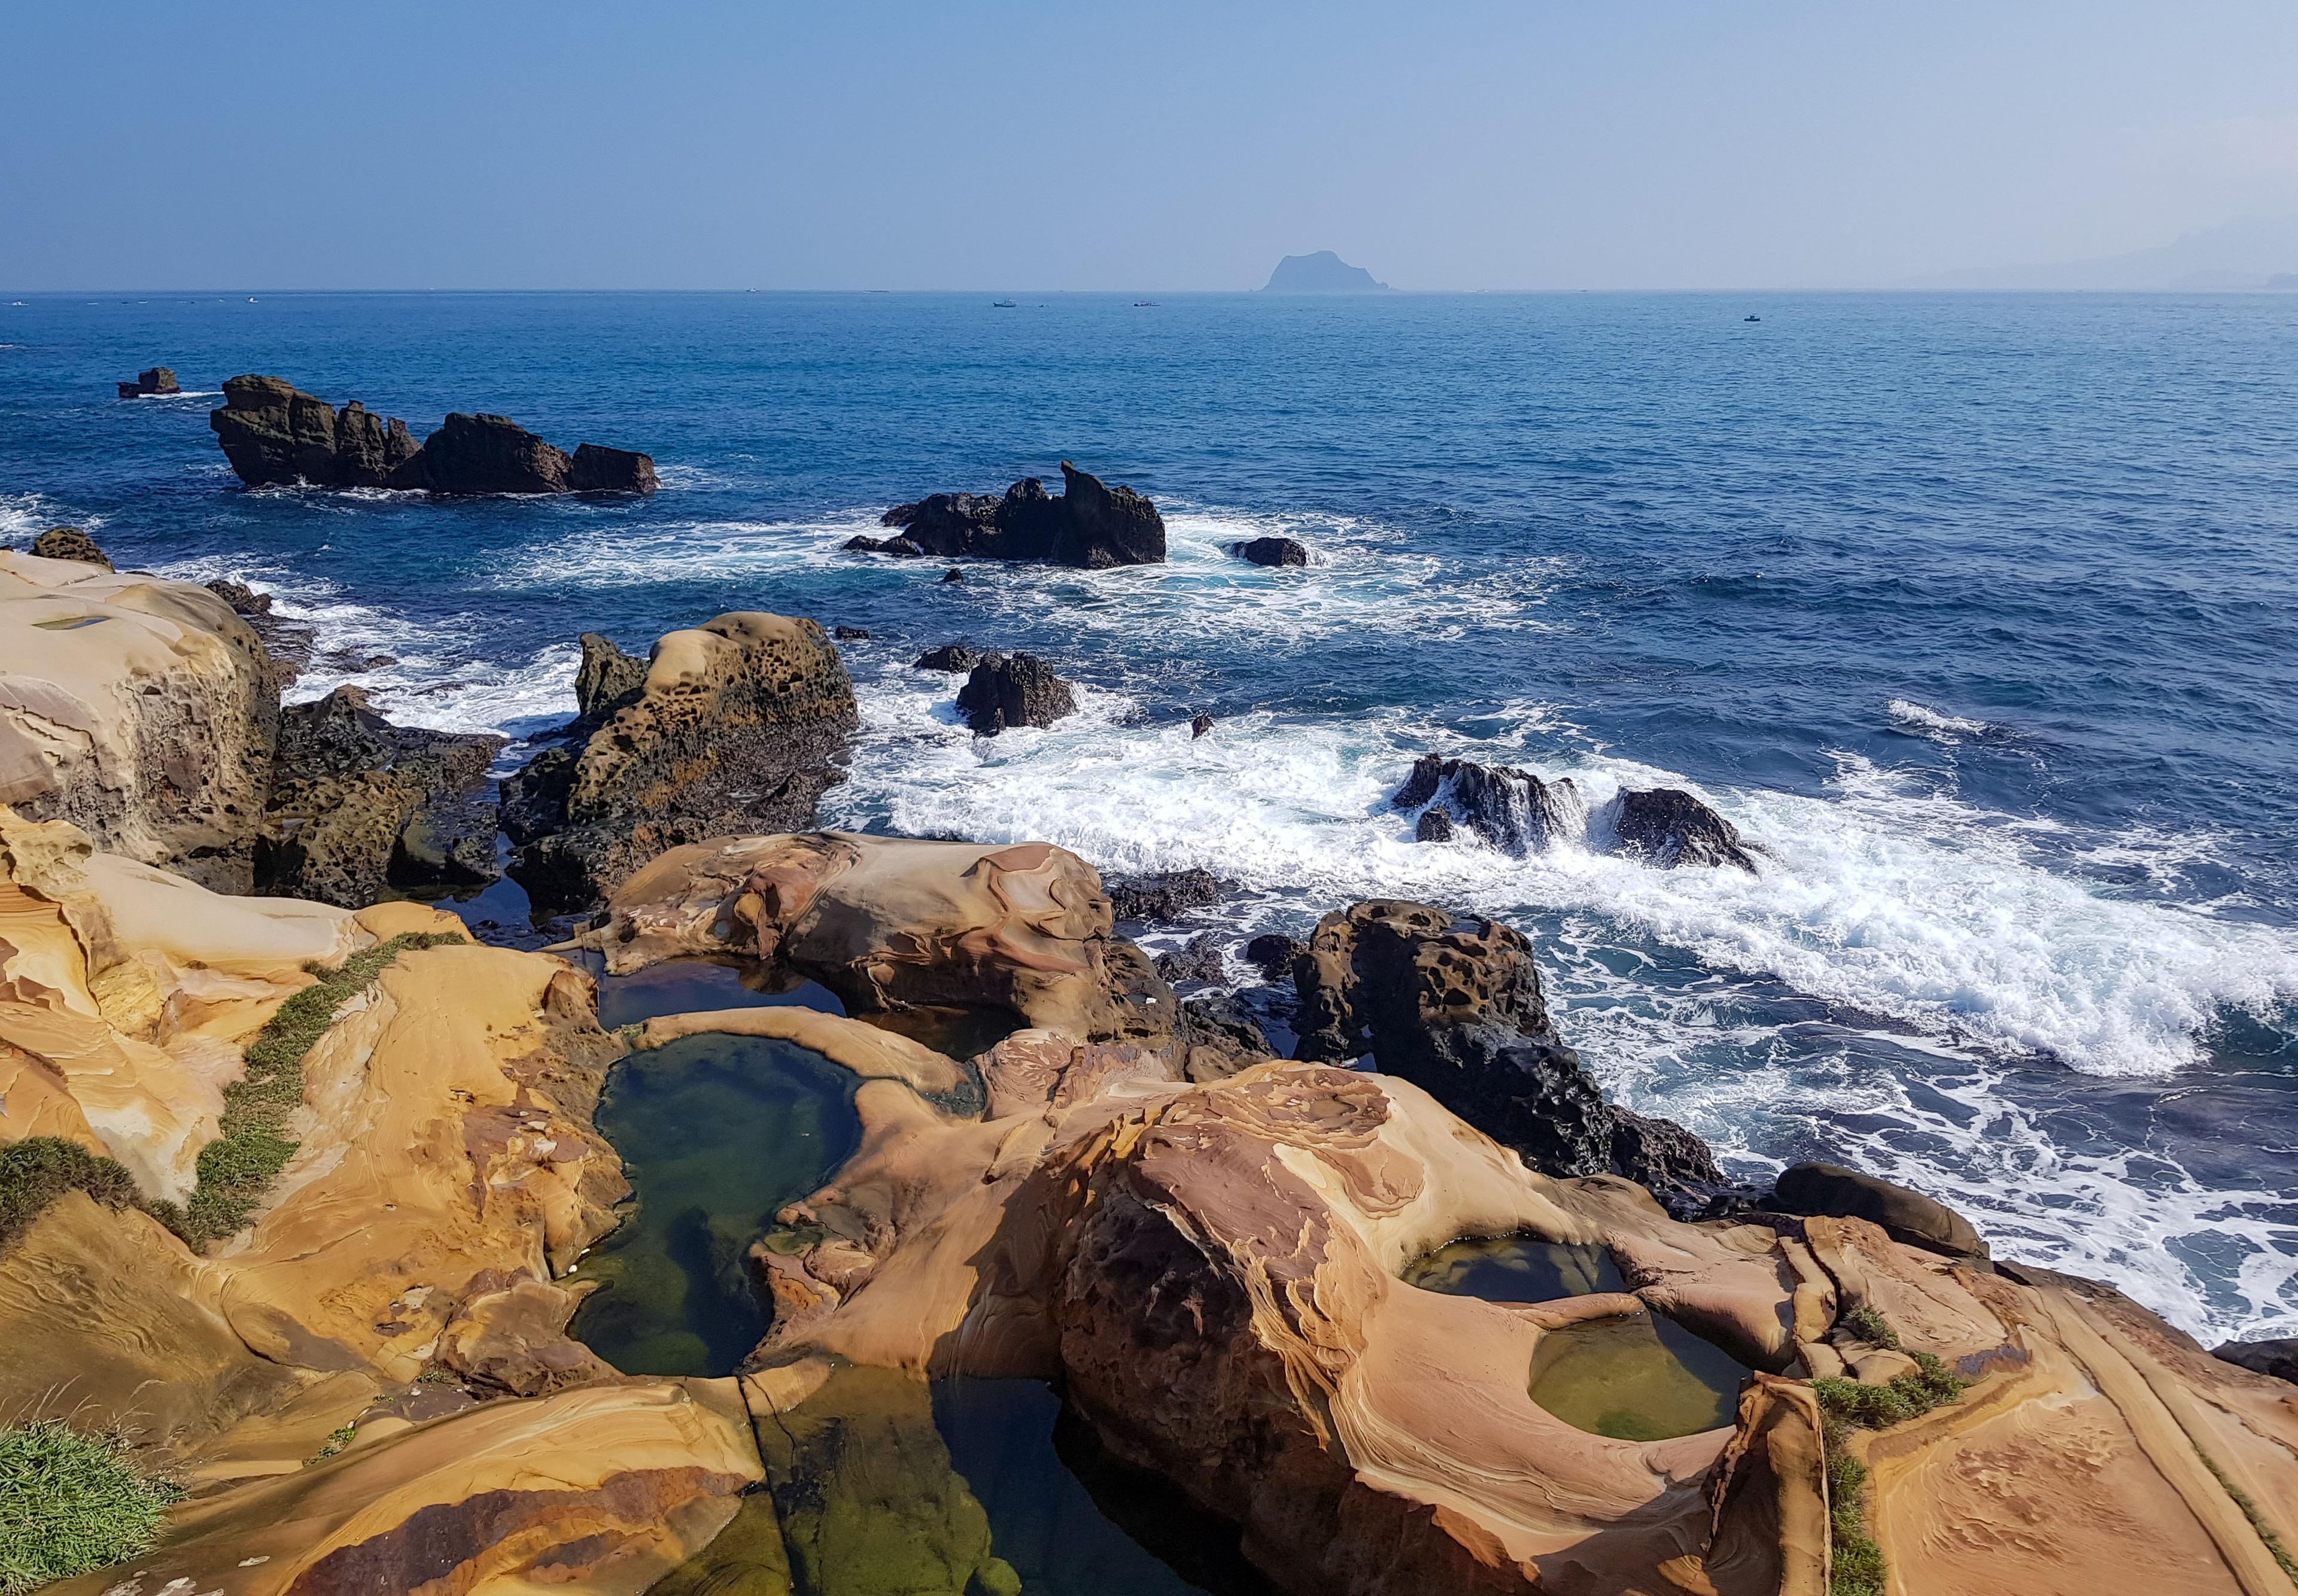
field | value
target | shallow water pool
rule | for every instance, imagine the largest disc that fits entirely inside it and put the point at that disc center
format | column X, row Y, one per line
column 715, row 1133
column 1514, row 1269
column 1639, row 1376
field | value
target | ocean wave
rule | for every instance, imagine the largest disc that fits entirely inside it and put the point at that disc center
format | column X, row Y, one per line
column 1922, row 721
column 28, row 514
column 618, row 556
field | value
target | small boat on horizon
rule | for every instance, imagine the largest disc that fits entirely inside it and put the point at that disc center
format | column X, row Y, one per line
column 1001, row 304
column 1144, row 305
column 1751, row 318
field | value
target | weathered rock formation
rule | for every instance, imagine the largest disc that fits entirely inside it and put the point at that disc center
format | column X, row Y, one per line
column 957, row 659
column 1271, row 551
column 1086, row 524
column 70, row 542
column 738, row 725
column 274, row 432
column 1014, row 689
column 1907, row 1215
column 1453, row 1005
column 143, row 712
column 2277, row 1358
column 158, row 380
column 1670, row 827
column 1210, row 1272
column 357, row 805
column 1166, row 894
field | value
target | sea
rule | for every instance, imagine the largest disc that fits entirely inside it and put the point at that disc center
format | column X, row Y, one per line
column 1977, row 614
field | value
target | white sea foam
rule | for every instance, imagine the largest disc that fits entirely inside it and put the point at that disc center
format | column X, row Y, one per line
column 28, row 514
column 1924, row 722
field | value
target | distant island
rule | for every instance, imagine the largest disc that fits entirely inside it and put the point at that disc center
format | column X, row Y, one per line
column 1323, row 272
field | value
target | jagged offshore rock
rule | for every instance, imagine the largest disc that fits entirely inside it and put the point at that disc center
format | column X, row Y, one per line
column 158, row 380
column 274, row 432
column 1271, row 551
column 1509, row 808
column 1017, row 690
column 1669, row 827
column 1086, row 524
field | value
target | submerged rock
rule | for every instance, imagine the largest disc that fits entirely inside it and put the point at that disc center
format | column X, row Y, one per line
column 1271, row 551
column 272, row 432
column 1165, row 895
column 1511, row 809
column 1086, row 524
column 1669, row 827
column 348, row 788
column 1453, row 1004
column 1434, row 825
column 159, row 379
column 1197, row 960
column 1200, row 724
column 70, row 542
column 737, row 726
column 1017, row 690
column 850, row 634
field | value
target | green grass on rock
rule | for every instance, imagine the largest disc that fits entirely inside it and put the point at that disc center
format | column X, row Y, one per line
column 70, row 1502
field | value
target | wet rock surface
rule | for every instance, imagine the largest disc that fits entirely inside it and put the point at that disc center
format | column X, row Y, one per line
column 1670, row 827
column 1907, row 1214
column 1165, row 895
column 1086, row 524
column 954, row 657
column 1514, row 810
column 1271, row 551
column 1006, row 690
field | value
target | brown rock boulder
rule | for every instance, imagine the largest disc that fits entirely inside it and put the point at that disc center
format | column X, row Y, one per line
column 596, row 468
column 70, row 542
column 484, row 454
column 273, row 433
column 737, row 726
column 1909, row 1216
column 158, row 380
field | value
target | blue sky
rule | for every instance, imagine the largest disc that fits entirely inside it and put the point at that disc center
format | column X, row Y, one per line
column 1171, row 147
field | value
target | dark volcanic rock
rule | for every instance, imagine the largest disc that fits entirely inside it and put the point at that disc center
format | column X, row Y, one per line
column 274, row 432
column 952, row 574
column 1199, row 726
column 1512, row 809
column 607, row 679
column 850, row 634
column 1670, row 827
column 2279, row 1358
column 485, row 454
column 598, row 469
column 1199, row 960
column 1217, row 1038
column 70, row 542
column 345, row 782
column 244, row 599
column 738, row 726
column 1017, row 690
column 287, row 641
column 448, row 842
column 949, row 657
column 1908, row 1215
column 1272, row 953
column 862, row 544
column 160, row 379
column 1453, row 1004
column 1271, row 551
column 1163, row 895
column 1434, row 825
column 1086, row 524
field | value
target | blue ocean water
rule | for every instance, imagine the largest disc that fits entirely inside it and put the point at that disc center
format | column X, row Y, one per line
column 1978, row 614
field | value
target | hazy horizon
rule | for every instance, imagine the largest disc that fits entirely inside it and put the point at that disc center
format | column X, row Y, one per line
column 1024, row 149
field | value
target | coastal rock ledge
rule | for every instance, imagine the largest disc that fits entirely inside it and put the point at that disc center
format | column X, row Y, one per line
column 274, row 433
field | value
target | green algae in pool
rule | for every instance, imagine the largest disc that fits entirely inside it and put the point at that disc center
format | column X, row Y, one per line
column 715, row 1133
column 1636, row 1377
column 1070, row 1520
column 1514, row 1269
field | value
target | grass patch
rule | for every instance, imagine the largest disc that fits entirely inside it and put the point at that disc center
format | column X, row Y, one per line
column 236, row 1170
column 2274, row 1546
column 1845, row 1405
column 337, row 1440
column 70, row 1502
column 38, row 1170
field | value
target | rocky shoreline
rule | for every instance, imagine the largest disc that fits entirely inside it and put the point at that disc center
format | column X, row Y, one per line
column 302, row 1181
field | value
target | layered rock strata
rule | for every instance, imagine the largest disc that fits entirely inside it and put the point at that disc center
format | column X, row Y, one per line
column 1086, row 524
column 273, row 433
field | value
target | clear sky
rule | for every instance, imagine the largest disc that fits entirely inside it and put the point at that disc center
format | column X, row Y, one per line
column 1172, row 146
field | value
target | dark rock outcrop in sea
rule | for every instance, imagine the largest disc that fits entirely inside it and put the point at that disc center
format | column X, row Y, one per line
column 737, row 726
column 850, row 634
column 70, row 542
column 1014, row 689
column 1197, row 961
column 357, row 805
column 274, row 432
column 1905, row 1213
column 1453, row 1004
column 158, row 380
column 1086, row 524
column 1272, row 953
column 2276, row 1359
column 1512, row 809
column 1669, row 827
column 1165, row 895
column 1434, row 825
column 1271, row 551
column 954, row 657
column 1200, row 724
column 288, row 642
